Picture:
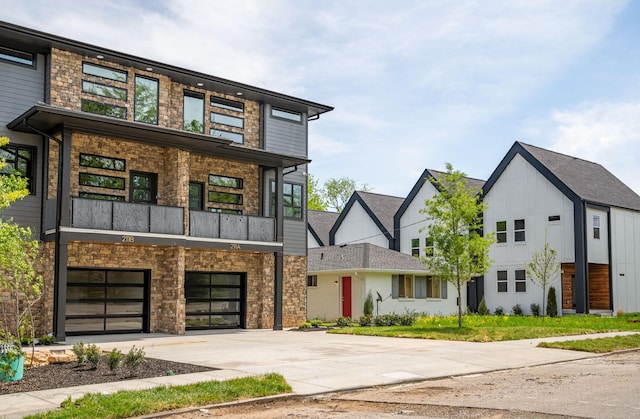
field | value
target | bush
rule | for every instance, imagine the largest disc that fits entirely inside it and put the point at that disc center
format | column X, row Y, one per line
column 304, row 325
column 394, row 319
column 46, row 340
column 368, row 305
column 499, row 311
column 79, row 351
column 552, row 304
column 315, row 322
column 114, row 359
column 482, row 307
column 133, row 359
column 517, row 310
column 365, row 320
column 343, row 322
column 535, row 309
column 92, row 354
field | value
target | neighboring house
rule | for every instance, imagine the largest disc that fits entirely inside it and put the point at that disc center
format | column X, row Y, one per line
column 366, row 218
column 166, row 199
column 585, row 213
column 411, row 236
column 319, row 226
column 340, row 277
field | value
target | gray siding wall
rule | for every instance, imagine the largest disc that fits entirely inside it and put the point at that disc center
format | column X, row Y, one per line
column 283, row 136
column 20, row 88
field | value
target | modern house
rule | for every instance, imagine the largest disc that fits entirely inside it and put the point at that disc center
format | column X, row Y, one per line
column 166, row 199
column 583, row 211
column 366, row 218
column 411, row 236
column 319, row 226
column 340, row 277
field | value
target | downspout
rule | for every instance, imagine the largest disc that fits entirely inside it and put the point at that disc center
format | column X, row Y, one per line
column 56, row 275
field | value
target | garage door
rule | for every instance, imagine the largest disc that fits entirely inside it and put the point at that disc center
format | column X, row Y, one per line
column 214, row 300
column 107, row 301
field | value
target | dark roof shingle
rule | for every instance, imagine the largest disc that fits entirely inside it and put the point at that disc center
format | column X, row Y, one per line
column 321, row 222
column 361, row 256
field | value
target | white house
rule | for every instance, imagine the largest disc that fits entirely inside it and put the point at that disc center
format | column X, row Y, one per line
column 340, row 277
column 586, row 214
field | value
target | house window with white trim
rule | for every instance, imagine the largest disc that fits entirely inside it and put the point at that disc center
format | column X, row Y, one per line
column 521, row 280
column 428, row 246
column 415, row 247
column 596, row 226
column 502, row 281
column 501, row 231
column 518, row 230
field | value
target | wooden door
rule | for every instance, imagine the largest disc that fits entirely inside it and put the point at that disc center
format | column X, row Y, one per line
column 346, row 296
column 568, row 286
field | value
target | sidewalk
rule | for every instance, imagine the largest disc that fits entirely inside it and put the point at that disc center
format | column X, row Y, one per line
column 312, row 362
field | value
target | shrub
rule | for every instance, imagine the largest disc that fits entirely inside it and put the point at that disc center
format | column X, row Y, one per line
column 46, row 340
column 482, row 307
column 133, row 359
column 517, row 310
column 499, row 311
column 79, row 351
column 315, row 322
column 552, row 304
column 304, row 325
column 394, row 319
column 366, row 320
column 114, row 359
column 368, row 305
column 535, row 309
column 92, row 354
column 343, row 322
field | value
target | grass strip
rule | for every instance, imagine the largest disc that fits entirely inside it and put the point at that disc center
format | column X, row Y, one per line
column 598, row 345
column 127, row 403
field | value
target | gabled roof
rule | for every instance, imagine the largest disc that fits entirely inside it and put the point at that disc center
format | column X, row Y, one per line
column 320, row 223
column 380, row 208
column 363, row 257
column 575, row 177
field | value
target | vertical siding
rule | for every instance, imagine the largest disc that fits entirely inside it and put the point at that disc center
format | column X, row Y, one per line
column 358, row 227
column 285, row 137
column 413, row 221
column 20, row 88
column 597, row 249
column 625, row 255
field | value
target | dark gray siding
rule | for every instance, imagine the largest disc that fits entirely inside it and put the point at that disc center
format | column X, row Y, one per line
column 283, row 136
column 20, row 88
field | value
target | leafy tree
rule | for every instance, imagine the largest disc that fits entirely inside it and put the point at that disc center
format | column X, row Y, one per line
column 338, row 191
column 543, row 268
column 315, row 201
column 460, row 251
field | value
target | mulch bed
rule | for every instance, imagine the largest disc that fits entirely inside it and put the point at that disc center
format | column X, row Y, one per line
column 74, row 374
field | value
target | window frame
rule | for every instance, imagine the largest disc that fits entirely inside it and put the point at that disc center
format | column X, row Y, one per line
column 32, row 167
column 104, row 67
column 231, row 137
column 284, row 203
column 227, row 104
column 126, row 92
column 114, row 159
column 502, row 281
column 135, row 99
column 240, row 197
column 521, row 280
column 212, row 119
column 519, row 234
column 224, row 210
column 239, row 181
column 89, row 101
column 596, row 226
column 286, row 115
column 101, row 196
column 429, row 246
column 407, row 282
column 200, row 197
column 501, row 233
column 415, row 247
column 80, row 182
column 193, row 95
column 12, row 56
column 312, row 281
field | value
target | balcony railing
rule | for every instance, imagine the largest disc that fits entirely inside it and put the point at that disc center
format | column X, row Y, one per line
column 144, row 218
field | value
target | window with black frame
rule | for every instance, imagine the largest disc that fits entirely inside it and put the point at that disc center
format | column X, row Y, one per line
column 20, row 160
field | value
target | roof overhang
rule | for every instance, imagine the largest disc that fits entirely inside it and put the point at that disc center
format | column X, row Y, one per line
column 48, row 119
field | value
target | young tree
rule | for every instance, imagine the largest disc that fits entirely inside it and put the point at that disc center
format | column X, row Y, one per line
column 460, row 252
column 315, row 200
column 542, row 269
column 338, row 191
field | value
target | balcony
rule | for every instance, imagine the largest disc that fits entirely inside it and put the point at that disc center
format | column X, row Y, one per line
column 144, row 218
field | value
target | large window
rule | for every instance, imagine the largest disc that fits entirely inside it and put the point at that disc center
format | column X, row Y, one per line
column 146, row 100
column 415, row 247
column 291, row 198
column 521, row 280
column 16, row 57
column 429, row 287
column 144, row 187
column 501, row 231
column 196, row 198
column 20, row 160
column 105, row 109
column 518, row 230
column 104, row 72
column 104, row 90
column 402, row 286
column 596, row 226
column 502, row 281
column 193, row 112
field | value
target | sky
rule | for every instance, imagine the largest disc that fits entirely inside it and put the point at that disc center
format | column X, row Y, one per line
column 415, row 84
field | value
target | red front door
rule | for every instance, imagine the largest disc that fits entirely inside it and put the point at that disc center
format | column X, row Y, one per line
column 346, row 296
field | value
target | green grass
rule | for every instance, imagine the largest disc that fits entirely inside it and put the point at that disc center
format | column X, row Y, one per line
column 124, row 404
column 599, row 345
column 498, row 328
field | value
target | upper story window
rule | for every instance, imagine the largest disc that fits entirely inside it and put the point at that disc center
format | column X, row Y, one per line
column 146, row 100
column 193, row 112
column 196, row 199
column 20, row 160
column 285, row 114
column 104, row 72
column 501, row 231
column 225, row 197
column 102, row 162
column 232, row 121
column 102, row 181
column 428, row 246
column 596, row 226
column 103, row 109
column 226, row 181
column 291, row 198
column 230, row 105
column 415, row 247
column 104, row 90
column 17, row 57
column 228, row 135
column 518, row 230
column 502, row 281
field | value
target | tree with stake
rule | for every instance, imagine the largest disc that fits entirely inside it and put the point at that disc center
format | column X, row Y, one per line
column 542, row 269
column 460, row 252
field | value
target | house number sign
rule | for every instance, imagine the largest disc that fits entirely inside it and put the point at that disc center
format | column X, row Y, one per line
column 128, row 239
column 235, row 246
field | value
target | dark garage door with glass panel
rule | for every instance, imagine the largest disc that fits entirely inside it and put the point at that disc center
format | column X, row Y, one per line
column 107, row 301
column 214, row 300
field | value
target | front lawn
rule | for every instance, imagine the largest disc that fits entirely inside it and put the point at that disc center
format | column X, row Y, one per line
column 498, row 328
column 599, row 345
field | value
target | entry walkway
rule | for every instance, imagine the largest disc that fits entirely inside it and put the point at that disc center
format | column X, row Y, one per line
column 312, row 362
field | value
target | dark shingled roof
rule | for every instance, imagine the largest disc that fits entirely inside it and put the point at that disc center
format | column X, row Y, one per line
column 320, row 223
column 383, row 206
column 361, row 256
column 471, row 182
column 590, row 181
